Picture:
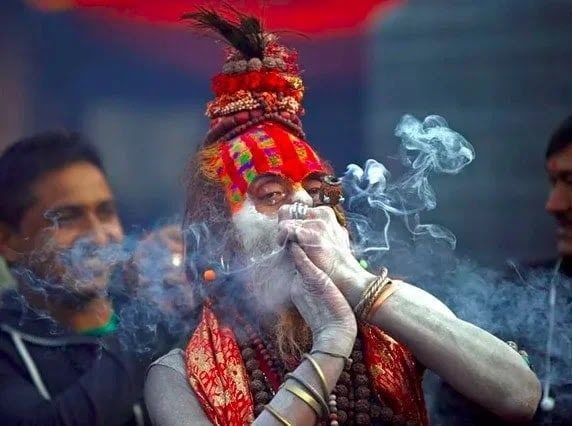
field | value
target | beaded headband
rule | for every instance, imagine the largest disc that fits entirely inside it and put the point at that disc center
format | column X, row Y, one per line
column 265, row 148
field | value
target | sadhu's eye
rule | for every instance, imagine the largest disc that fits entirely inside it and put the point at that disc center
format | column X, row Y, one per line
column 273, row 198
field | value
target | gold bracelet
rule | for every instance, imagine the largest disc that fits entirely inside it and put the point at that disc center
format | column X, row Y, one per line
column 372, row 297
column 319, row 372
column 370, row 294
column 301, row 393
column 360, row 305
column 312, row 391
column 370, row 289
column 277, row 415
column 390, row 288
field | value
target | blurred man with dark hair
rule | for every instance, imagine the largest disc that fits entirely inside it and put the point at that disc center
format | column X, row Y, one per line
column 521, row 283
column 559, row 203
column 60, row 361
column 556, row 407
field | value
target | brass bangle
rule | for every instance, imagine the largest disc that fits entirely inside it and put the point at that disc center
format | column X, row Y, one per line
column 301, row 393
column 358, row 309
column 277, row 415
column 370, row 295
column 312, row 391
column 390, row 288
column 319, row 372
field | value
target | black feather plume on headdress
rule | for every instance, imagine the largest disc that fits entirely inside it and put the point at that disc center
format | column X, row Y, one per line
column 244, row 32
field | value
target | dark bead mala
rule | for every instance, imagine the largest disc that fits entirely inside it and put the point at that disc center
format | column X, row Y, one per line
column 352, row 401
column 237, row 124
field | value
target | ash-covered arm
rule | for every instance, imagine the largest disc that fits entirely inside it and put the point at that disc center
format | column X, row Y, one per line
column 475, row 363
column 171, row 401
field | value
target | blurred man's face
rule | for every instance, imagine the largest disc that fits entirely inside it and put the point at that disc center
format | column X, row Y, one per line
column 65, row 237
column 559, row 203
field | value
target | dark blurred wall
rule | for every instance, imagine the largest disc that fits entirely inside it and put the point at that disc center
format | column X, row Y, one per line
column 15, row 70
column 499, row 72
column 139, row 92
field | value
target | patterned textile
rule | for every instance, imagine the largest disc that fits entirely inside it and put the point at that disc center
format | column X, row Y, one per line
column 218, row 377
column 265, row 148
column 217, row 373
column 396, row 375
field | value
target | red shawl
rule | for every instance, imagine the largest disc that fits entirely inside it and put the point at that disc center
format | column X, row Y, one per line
column 218, row 376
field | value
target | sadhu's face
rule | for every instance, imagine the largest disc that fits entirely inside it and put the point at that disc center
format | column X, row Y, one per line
column 260, row 171
column 271, row 271
column 267, row 165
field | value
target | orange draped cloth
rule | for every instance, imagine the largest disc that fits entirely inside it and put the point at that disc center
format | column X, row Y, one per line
column 218, row 376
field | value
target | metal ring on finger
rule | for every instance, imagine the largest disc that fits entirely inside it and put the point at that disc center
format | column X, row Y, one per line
column 298, row 211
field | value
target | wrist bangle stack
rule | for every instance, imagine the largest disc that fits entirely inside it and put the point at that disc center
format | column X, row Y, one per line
column 387, row 291
column 370, row 296
column 319, row 372
column 310, row 389
column 301, row 393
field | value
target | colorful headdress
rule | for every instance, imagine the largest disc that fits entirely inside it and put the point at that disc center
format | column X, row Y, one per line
column 255, row 124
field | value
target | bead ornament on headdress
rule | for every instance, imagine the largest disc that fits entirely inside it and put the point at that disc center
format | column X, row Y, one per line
column 260, row 79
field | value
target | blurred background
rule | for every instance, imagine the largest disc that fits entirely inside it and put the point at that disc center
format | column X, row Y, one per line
column 133, row 78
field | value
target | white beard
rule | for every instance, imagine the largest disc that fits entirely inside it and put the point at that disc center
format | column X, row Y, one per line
column 271, row 270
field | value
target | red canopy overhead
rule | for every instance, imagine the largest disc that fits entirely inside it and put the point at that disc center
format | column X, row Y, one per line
column 313, row 17
column 154, row 29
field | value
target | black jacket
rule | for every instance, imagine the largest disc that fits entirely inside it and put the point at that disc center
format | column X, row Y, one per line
column 49, row 376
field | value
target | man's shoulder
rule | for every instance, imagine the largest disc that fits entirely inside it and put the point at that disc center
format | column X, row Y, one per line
column 175, row 360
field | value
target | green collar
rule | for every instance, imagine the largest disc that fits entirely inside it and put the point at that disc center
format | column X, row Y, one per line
column 103, row 330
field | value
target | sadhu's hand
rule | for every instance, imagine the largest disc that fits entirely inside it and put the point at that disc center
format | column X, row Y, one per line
column 327, row 245
column 323, row 306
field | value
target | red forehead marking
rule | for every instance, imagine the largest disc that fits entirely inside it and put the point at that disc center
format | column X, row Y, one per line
column 552, row 165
